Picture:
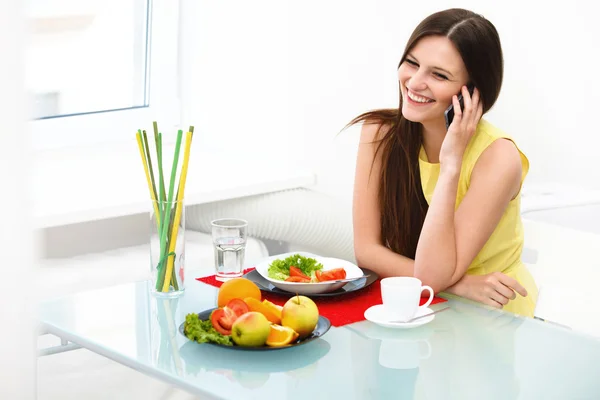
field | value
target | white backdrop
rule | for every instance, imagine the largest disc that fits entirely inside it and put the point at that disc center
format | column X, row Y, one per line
column 289, row 75
column 19, row 288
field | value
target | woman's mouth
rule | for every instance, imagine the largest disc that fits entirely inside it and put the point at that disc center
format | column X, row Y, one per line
column 416, row 99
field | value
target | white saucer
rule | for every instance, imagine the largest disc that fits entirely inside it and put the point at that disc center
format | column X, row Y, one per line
column 377, row 315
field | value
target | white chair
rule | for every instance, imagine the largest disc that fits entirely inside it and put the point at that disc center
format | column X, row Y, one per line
column 304, row 219
column 566, row 268
column 60, row 276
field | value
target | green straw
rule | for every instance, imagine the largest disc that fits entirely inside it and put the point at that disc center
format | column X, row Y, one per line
column 149, row 161
column 173, row 275
column 165, row 225
column 158, row 141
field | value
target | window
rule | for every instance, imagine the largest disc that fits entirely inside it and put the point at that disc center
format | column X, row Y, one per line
column 98, row 70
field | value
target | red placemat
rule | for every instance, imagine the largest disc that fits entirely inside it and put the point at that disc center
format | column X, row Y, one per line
column 340, row 310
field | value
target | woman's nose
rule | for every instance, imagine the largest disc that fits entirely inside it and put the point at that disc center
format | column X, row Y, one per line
column 417, row 82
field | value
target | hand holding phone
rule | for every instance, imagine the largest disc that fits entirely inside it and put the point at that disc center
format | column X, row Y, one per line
column 449, row 113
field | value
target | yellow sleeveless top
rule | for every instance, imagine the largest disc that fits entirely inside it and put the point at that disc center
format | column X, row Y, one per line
column 502, row 251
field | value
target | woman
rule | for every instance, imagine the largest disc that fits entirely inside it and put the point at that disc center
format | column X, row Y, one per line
column 443, row 204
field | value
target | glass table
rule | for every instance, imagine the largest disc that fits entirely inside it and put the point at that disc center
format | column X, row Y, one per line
column 467, row 352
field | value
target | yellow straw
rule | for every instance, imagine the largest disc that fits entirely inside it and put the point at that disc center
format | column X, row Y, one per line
column 141, row 147
column 177, row 219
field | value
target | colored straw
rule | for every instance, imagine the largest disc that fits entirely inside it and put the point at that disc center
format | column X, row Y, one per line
column 180, row 196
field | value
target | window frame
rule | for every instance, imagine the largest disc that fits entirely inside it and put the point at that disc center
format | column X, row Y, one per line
column 119, row 126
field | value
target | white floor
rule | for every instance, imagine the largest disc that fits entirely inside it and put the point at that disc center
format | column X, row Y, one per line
column 81, row 374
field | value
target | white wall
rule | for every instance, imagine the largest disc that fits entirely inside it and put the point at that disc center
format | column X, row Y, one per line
column 272, row 76
column 19, row 291
column 249, row 66
column 235, row 73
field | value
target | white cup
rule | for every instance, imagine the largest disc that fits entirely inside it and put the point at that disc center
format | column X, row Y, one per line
column 401, row 296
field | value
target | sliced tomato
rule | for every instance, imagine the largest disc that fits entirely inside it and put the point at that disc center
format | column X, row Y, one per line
column 318, row 275
column 297, row 279
column 238, row 306
column 226, row 316
column 229, row 318
column 326, row 276
column 339, row 273
column 220, row 322
column 295, row 271
column 332, row 275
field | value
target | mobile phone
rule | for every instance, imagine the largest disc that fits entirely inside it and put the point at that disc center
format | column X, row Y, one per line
column 449, row 113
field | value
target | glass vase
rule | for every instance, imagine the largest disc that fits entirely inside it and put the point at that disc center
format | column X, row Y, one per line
column 167, row 248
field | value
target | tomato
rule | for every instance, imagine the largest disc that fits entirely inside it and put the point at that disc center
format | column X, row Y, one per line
column 220, row 322
column 326, row 276
column 332, row 275
column 339, row 273
column 297, row 279
column 238, row 306
column 222, row 319
column 295, row 271
column 319, row 275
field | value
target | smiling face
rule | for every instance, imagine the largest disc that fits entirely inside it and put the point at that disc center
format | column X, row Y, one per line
column 432, row 72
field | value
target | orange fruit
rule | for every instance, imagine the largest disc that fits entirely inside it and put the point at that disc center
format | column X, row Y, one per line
column 281, row 336
column 274, row 310
column 237, row 288
column 266, row 308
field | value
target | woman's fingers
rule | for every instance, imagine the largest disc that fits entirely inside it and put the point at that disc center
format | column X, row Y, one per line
column 505, row 291
column 493, row 303
column 499, row 297
column 475, row 98
column 457, row 110
column 512, row 283
column 467, row 101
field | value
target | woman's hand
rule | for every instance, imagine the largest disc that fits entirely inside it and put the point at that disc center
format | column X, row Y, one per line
column 495, row 289
column 461, row 129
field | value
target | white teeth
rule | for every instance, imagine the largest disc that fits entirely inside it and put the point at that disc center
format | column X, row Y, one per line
column 416, row 98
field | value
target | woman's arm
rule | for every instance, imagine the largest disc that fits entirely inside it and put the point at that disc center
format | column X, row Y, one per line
column 471, row 224
column 368, row 248
column 493, row 289
column 451, row 239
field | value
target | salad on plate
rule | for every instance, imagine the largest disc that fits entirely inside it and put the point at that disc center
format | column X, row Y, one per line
column 301, row 269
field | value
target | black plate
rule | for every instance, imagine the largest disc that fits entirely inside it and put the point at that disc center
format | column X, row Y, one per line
column 350, row 287
column 323, row 325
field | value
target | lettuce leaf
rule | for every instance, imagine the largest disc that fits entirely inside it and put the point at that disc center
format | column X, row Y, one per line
column 203, row 331
column 280, row 269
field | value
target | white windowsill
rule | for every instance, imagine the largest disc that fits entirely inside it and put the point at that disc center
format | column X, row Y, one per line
column 79, row 185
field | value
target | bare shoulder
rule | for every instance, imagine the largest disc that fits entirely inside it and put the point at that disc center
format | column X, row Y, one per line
column 500, row 161
column 372, row 131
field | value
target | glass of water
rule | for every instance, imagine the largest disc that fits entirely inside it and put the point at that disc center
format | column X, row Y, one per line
column 229, row 239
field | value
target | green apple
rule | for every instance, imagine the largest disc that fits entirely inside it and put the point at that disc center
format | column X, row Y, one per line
column 251, row 329
column 301, row 314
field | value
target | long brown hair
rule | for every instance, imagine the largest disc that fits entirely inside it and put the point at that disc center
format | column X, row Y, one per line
column 401, row 201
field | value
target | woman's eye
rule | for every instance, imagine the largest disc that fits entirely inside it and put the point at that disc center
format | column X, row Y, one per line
column 411, row 62
column 441, row 76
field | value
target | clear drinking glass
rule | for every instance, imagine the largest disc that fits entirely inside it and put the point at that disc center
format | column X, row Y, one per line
column 229, row 240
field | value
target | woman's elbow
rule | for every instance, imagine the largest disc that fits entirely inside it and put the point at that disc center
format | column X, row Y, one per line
column 365, row 252
column 431, row 279
column 360, row 254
